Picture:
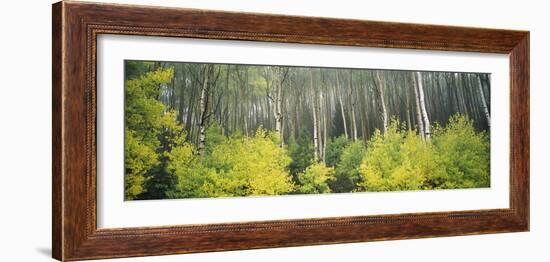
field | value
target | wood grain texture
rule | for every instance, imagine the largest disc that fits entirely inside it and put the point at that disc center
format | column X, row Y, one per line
column 519, row 130
column 57, row 195
column 76, row 26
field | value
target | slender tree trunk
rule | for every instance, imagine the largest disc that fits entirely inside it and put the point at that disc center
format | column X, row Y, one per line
column 282, row 134
column 484, row 102
column 268, row 99
column 381, row 86
column 341, row 105
column 315, row 138
column 408, row 105
column 246, row 95
column 297, row 112
column 183, row 87
column 418, row 110
column 291, row 118
column 352, row 98
column 325, row 134
column 322, row 127
column 366, row 109
column 236, row 109
column 423, row 105
column 173, row 91
column 191, row 110
column 462, row 96
column 203, row 108
column 222, row 121
column 456, row 89
column 373, row 105
column 278, row 108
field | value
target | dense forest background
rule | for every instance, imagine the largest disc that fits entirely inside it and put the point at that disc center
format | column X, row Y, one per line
column 213, row 130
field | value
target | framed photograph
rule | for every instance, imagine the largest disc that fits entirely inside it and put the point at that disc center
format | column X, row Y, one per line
column 181, row 130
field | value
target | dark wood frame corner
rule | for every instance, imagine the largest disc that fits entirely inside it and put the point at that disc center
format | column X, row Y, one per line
column 76, row 26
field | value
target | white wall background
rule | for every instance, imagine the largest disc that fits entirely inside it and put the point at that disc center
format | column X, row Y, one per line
column 25, row 129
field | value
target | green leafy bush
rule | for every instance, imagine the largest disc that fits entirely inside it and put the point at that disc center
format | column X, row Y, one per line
column 236, row 166
column 396, row 160
column 347, row 170
column 334, row 150
column 314, row 179
column 462, row 156
column 148, row 128
column 301, row 152
column 255, row 165
column 456, row 156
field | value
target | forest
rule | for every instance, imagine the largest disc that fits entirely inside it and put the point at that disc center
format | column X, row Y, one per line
column 195, row 130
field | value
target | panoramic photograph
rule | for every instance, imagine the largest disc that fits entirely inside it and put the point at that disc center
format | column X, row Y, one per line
column 202, row 130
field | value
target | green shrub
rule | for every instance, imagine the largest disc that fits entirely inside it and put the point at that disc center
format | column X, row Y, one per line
column 334, row 150
column 314, row 179
column 462, row 156
column 347, row 170
column 396, row 160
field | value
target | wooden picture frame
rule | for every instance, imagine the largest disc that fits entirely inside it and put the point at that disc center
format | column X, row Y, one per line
column 76, row 26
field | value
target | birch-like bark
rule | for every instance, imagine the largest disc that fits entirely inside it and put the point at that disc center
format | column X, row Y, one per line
column 484, row 102
column 381, row 86
column 423, row 105
column 325, row 134
column 352, row 98
column 315, row 138
column 278, row 113
column 418, row 111
column 203, row 108
column 366, row 111
column 341, row 105
column 322, row 128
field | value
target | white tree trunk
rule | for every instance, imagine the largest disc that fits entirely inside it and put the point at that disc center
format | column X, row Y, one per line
column 325, row 135
column 203, row 108
column 381, row 86
column 352, row 98
column 322, row 128
column 484, row 102
column 353, row 122
column 343, row 116
column 341, row 105
column 423, row 105
column 315, row 138
column 282, row 134
column 418, row 110
column 278, row 103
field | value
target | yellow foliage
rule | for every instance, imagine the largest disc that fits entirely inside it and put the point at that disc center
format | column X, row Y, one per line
column 315, row 178
column 256, row 164
column 455, row 157
column 396, row 160
column 138, row 159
